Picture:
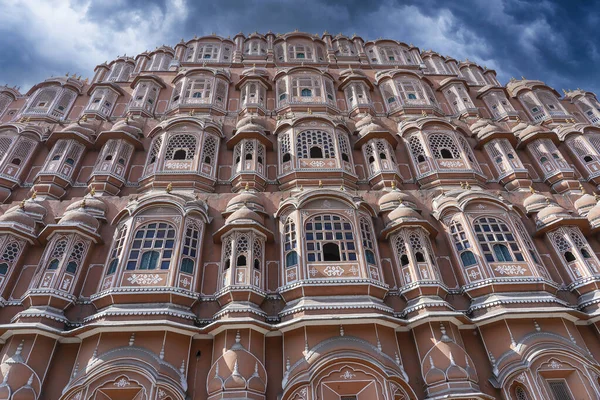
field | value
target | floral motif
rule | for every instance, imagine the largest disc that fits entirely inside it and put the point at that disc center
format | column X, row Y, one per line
column 555, row 364
column 144, row 279
column 347, row 375
column 122, row 382
column 510, row 269
column 333, row 271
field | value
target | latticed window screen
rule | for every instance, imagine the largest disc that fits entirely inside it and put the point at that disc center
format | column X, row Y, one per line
column 367, row 236
column 315, row 138
column 153, row 155
column 11, row 252
column 5, row 142
column 300, row 51
column 208, row 52
column 198, row 88
column 115, row 254
column 306, row 86
column 5, row 100
column 152, row 247
column 44, row 98
column 416, row 149
column 521, row 394
column 442, row 145
column 57, row 254
column 257, row 253
column 329, row 238
column 525, row 237
column 209, row 149
column 410, row 90
column 344, row 147
column 241, row 250
column 560, row 390
column 401, row 250
column 462, row 244
column 496, row 240
column 189, row 251
column 181, row 147
column 227, row 251
column 76, row 257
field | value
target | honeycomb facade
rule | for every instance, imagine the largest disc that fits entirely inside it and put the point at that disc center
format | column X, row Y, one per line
column 298, row 217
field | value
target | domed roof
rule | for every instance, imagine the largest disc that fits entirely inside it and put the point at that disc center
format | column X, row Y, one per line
column 93, row 205
column 81, row 217
column 534, row 202
column 244, row 214
column 392, row 199
column 245, row 198
column 551, row 213
column 585, row 203
column 17, row 216
column 593, row 216
column 249, row 124
column 403, row 213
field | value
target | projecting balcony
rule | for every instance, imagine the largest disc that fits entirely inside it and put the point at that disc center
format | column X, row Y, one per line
column 501, row 115
column 302, row 103
column 140, row 105
column 43, row 112
column 198, row 104
column 546, row 114
column 414, row 106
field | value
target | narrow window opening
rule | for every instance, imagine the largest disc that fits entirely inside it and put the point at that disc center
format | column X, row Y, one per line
column 331, row 252
column 316, row 152
column 241, row 261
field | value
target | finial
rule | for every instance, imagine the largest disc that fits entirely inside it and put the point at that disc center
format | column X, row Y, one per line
column 536, row 325
column 596, row 196
column 238, row 338
column 341, row 330
column 468, row 186
column 522, row 77
column 84, row 118
column 301, row 187
column 393, row 185
column 22, row 205
column 531, row 189
column 582, row 188
column 247, row 187
column 169, row 188
column 83, row 203
column 132, row 339
column 309, row 111
column 547, row 201
column 320, row 183
column 182, row 367
column 423, row 113
column 342, row 188
column 93, row 191
column 462, row 185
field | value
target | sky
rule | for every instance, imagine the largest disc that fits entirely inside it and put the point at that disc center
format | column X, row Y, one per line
column 557, row 42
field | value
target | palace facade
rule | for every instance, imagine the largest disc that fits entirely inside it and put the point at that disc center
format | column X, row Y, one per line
column 298, row 217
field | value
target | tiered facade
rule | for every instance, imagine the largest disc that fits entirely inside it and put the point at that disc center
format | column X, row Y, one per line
column 298, row 217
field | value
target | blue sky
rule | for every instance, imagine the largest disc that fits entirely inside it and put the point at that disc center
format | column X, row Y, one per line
column 557, row 42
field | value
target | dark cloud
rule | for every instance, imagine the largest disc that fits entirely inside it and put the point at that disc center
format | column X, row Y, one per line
column 557, row 42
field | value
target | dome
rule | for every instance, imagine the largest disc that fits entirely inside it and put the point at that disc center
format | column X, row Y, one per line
column 403, row 212
column 80, row 217
column 245, row 198
column 534, row 202
column 244, row 214
column 584, row 204
column 594, row 215
column 249, row 124
column 392, row 199
column 551, row 213
column 93, row 205
column 17, row 216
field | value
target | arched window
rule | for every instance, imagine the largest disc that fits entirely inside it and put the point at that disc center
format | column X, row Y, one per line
column 115, row 254
column 152, row 247
column 329, row 238
column 291, row 259
column 316, row 152
column 366, row 233
column 57, row 254
column 468, row 258
column 443, row 146
column 306, row 86
column 190, row 247
column 310, row 139
column 521, row 394
column 181, row 147
column 497, row 240
column 462, row 244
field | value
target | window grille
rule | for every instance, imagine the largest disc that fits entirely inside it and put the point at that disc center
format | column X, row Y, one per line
column 560, row 390
column 5, row 100
column 209, row 149
column 462, row 245
column 416, row 149
column 438, row 142
column 315, row 138
column 496, row 240
column 332, row 230
column 57, row 254
column 181, row 147
column 367, row 241
column 306, row 86
column 152, row 247
column 115, row 254
column 521, row 394
column 189, row 252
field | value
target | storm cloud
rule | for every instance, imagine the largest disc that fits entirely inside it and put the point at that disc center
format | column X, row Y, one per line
column 556, row 42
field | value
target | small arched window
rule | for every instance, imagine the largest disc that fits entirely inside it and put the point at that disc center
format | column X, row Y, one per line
column 445, row 153
column 187, row 266
column 286, row 157
column 316, row 152
column 404, row 260
column 329, row 238
column 3, row 268
column 241, row 261
column 53, row 264
column 502, row 253
column 331, row 252
column 520, row 393
column 306, row 93
column 152, row 247
column 588, row 158
column 585, row 253
column 468, row 258
column 291, row 259
column 149, row 260
column 569, row 257
column 257, row 264
column 419, row 257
